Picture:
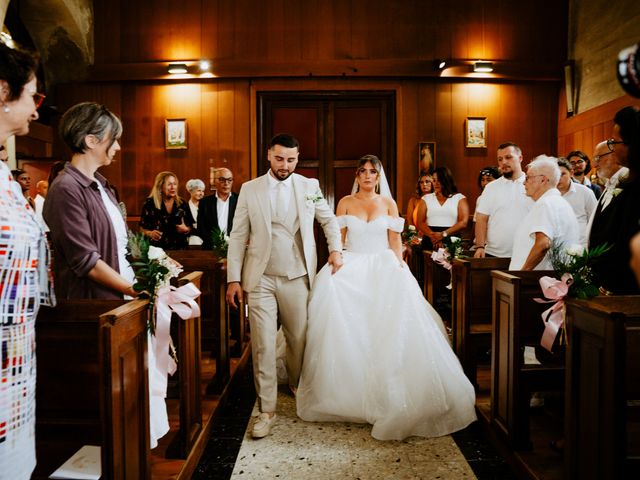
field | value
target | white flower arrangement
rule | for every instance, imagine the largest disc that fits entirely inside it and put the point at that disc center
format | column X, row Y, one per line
column 313, row 198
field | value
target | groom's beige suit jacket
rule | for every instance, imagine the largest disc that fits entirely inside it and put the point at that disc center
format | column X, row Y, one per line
column 250, row 240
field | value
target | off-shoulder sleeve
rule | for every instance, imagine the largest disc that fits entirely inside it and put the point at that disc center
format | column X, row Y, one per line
column 342, row 221
column 396, row 224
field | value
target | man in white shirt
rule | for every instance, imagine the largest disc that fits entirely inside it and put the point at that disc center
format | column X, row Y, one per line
column 504, row 204
column 217, row 211
column 582, row 199
column 41, row 187
column 550, row 221
column 581, row 167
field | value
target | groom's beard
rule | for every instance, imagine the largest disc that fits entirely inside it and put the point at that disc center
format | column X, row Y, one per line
column 281, row 174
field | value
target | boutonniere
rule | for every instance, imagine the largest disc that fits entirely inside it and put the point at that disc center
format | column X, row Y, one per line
column 312, row 198
column 615, row 192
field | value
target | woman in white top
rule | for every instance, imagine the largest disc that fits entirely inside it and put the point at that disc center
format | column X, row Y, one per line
column 443, row 212
column 195, row 187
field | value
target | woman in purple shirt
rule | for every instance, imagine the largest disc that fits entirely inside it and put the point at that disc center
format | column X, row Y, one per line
column 88, row 232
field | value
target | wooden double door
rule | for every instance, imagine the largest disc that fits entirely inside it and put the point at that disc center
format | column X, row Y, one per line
column 334, row 129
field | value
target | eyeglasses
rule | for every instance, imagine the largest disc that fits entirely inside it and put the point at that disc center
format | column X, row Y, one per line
column 611, row 142
column 38, row 99
column 597, row 158
column 225, row 180
column 529, row 177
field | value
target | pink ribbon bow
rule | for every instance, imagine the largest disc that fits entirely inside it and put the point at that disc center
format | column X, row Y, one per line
column 170, row 299
column 553, row 318
column 441, row 257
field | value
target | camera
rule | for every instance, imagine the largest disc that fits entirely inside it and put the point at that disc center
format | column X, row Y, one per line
column 629, row 70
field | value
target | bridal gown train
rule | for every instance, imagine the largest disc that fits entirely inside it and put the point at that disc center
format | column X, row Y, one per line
column 376, row 351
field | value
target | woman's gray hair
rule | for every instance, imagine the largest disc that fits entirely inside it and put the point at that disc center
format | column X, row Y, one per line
column 547, row 166
column 88, row 118
column 195, row 184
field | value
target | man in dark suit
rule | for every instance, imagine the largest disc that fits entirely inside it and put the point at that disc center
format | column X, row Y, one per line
column 216, row 211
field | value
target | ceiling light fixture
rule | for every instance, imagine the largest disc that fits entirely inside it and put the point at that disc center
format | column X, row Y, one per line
column 482, row 66
column 177, row 68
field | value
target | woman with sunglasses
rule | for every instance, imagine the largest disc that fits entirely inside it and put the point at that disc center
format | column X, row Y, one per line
column 24, row 275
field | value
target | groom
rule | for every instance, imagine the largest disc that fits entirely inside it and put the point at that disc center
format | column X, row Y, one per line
column 272, row 257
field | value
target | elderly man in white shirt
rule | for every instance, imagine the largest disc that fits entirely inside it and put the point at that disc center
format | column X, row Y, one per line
column 551, row 220
column 581, row 198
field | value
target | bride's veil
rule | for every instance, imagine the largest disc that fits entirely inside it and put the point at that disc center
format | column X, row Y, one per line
column 383, row 184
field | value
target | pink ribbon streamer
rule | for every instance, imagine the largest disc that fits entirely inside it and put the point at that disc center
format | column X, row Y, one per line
column 170, row 299
column 553, row 318
column 441, row 257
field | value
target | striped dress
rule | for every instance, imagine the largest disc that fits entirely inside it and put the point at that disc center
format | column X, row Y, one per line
column 23, row 256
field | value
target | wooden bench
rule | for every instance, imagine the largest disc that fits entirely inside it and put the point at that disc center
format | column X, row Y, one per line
column 434, row 288
column 188, row 376
column 517, row 322
column 471, row 308
column 92, row 385
column 602, row 402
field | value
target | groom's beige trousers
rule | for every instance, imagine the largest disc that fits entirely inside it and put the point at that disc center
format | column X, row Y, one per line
column 276, row 297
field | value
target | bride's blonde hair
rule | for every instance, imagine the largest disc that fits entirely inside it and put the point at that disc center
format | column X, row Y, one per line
column 375, row 162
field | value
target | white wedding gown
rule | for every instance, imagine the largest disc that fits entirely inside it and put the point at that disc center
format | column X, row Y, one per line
column 376, row 351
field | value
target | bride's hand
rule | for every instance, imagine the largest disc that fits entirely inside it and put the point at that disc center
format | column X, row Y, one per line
column 335, row 260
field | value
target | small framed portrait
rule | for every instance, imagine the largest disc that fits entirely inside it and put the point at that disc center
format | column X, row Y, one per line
column 175, row 133
column 476, row 132
column 426, row 156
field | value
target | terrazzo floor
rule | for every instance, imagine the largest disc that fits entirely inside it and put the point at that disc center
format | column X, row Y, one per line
column 302, row 450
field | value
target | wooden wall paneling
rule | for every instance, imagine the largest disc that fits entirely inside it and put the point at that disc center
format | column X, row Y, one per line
column 458, row 29
column 342, row 30
column 359, row 19
column 443, row 121
column 410, row 108
column 209, row 125
column 470, row 28
column 227, row 154
column 225, row 29
column 242, row 133
column 251, row 31
column 404, row 26
column 326, row 25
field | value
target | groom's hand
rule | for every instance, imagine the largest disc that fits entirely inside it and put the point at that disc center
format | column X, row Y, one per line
column 335, row 260
column 234, row 290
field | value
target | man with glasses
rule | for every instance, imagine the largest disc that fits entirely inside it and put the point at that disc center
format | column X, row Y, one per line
column 503, row 205
column 216, row 211
column 581, row 167
column 551, row 220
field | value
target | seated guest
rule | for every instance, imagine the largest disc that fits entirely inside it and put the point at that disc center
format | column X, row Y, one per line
column 195, row 187
column 581, row 168
column 444, row 212
column 24, row 180
column 165, row 217
column 619, row 221
column 88, row 232
column 550, row 221
column 581, row 198
column 423, row 187
column 216, row 211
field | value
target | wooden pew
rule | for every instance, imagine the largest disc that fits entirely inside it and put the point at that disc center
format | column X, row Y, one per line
column 188, row 374
column 602, row 402
column 436, row 279
column 517, row 322
column 471, row 308
column 92, row 385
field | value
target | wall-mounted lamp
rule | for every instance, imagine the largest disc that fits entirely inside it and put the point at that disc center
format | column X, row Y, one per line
column 205, row 65
column 177, row 68
column 482, row 67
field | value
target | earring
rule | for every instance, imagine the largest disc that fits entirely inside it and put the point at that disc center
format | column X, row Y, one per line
column 6, row 109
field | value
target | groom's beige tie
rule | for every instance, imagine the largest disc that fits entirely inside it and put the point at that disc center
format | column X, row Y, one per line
column 281, row 201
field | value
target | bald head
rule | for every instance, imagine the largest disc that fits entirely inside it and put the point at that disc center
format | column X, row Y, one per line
column 42, row 187
column 605, row 161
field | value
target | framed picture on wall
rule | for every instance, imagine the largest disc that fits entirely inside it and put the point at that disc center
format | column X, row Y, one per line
column 476, row 132
column 426, row 156
column 175, row 133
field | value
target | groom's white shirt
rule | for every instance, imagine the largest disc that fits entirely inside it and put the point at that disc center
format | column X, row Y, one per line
column 250, row 239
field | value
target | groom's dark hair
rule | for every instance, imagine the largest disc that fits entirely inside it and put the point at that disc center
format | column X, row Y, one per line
column 285, row 140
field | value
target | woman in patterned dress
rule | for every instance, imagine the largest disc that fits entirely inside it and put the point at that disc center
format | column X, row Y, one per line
column 23, row 275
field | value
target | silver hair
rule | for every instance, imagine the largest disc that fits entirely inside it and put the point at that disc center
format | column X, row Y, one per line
column 194, row 184
column 547, row 166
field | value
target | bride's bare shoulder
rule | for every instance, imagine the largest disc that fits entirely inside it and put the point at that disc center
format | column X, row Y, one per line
column 344, row 204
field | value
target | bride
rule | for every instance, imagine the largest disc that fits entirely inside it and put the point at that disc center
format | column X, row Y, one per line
column 376, row 351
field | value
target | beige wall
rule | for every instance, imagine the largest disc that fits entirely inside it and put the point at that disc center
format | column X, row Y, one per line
column 598, row 30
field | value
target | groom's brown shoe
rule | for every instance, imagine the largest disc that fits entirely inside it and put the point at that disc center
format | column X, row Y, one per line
column 262, row 425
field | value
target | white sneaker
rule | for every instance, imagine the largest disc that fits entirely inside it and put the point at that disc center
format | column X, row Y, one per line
column 262, row 425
